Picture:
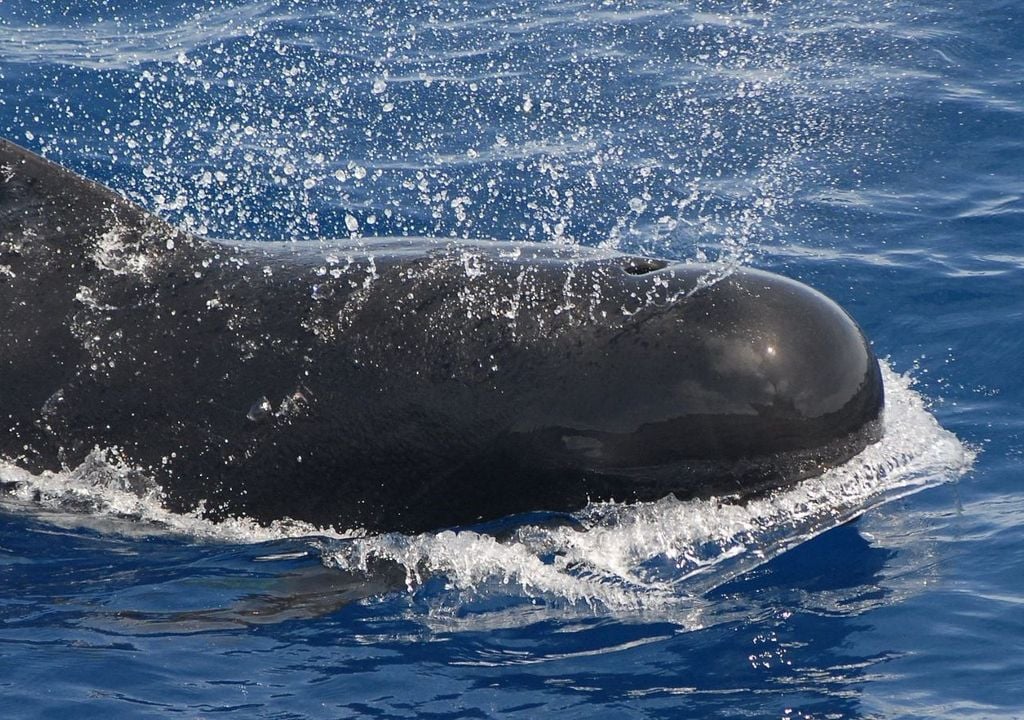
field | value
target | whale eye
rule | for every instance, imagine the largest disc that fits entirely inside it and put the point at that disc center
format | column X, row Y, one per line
column 642, row 265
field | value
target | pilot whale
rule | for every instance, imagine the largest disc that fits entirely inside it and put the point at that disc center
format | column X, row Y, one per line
column 404, row 384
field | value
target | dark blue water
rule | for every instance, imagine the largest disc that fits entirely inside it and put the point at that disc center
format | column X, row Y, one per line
column 873, row 149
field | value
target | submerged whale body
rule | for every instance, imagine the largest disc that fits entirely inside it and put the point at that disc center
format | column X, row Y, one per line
column 404, row 384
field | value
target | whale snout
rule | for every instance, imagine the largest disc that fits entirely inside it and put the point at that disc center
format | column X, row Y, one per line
column 754, row 381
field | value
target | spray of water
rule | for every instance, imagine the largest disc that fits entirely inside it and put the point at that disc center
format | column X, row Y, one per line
column 688, row 130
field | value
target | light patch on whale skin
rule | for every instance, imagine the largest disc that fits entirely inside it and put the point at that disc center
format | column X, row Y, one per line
column 136, row 251
column 114, row 252
column 6, row 174
column 18, row 244
column 324, row 329
column 86, row 297
column 567, row 305
column 53, row 403
column 355, row 301
column 295, row 405
column 472, row 263
column 510, row 305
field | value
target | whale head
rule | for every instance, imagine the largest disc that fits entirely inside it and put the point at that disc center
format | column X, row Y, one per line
column 405, row 384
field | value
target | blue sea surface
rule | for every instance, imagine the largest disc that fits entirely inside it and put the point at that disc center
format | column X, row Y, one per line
column 873, row 149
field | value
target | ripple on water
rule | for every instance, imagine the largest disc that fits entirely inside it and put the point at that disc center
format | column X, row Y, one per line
column 655, row 557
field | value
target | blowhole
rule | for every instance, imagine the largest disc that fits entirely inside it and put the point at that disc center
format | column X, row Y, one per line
column 642, row 265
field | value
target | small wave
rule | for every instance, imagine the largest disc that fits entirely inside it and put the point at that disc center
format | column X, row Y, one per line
column 656, row 556
column 659, row 555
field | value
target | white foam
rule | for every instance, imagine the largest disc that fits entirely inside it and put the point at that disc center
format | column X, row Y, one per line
column 652, row 555
column 106, row 494
column 646, row 556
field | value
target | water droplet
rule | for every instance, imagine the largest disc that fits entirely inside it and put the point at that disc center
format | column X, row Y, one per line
column 259, row 410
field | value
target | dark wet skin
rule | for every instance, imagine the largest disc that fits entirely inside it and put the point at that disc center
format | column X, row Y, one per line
column 404, row 384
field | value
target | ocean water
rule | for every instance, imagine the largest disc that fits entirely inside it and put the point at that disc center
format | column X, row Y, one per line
column 872, row 149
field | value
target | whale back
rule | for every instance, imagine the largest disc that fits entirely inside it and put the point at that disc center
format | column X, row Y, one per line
column 404, row 383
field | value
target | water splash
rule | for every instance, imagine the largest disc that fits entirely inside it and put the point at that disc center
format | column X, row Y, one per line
column 656, row 556
column 642, row 125
column 690, row 131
